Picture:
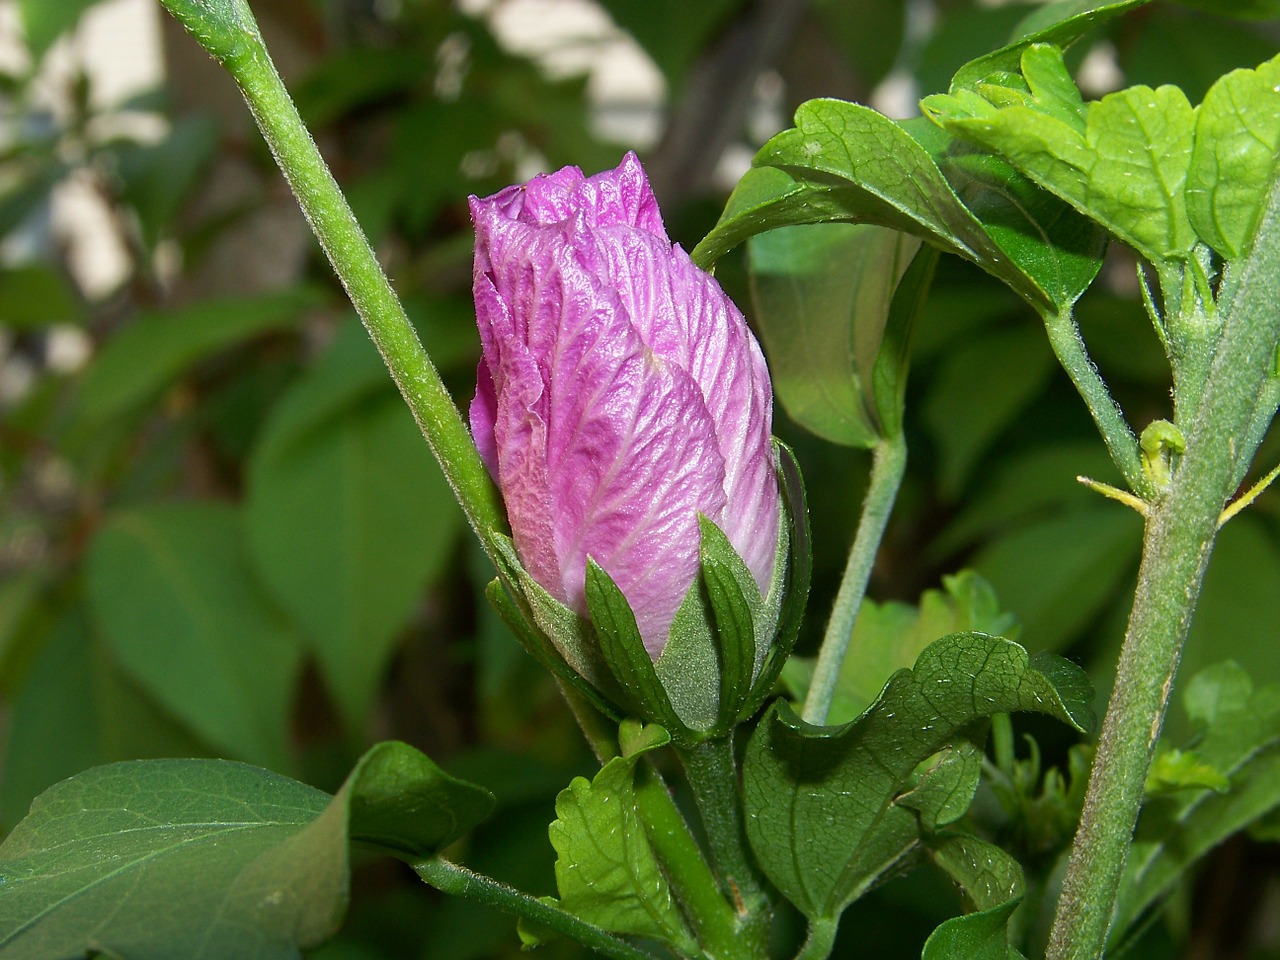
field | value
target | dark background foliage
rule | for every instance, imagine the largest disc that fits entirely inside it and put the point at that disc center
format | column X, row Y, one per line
column 220, row 534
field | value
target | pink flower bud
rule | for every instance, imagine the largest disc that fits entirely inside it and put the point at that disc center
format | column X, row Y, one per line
column 620, row 394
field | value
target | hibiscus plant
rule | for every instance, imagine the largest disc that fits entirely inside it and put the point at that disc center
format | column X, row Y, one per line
column 649, row 545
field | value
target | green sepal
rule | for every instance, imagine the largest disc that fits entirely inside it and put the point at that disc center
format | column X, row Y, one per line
column 789, row 592
column 552, row 634
column 730, row 590
column 625, row 653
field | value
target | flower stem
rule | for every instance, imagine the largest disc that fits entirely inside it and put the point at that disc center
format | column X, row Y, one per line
column 713, row 776
column 821, row 939
column 227, row 30
column 1064, row 337
column 458, row 881
column 889, row 462
column 714, row 921
column 1178, row 538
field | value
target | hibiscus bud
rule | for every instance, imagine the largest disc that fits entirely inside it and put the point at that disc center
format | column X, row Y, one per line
column 622, row 404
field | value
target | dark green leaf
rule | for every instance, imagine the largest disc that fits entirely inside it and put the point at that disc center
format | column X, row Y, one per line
column 144, row 357
column 209, row 858
column 606, row 871
column 821, row 296
column 1233, row 163
column 976, row 936
column 170, row 588
column 156, row 178
column 36, row 296
column 349, row 516
column 799, row 779
column 945, row 790
column 889, row 373
column 986, row 875
column 890, row 636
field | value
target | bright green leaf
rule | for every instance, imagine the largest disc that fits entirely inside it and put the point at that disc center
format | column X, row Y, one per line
column 606, row 870
column 210, row 858
column 821, row 296
column 799, row 779
column 1127, row 170
column 348, row 516
column 1234, row 161
column 170, row 588
column 1175, row 769
column 144, row 357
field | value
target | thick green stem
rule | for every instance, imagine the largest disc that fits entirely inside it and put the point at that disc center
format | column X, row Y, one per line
column 1179, row 536
column 713, row 776
column 227, row 30
column 1064, row 337
column 460, row 882
column 887, row 467
column 714, row 921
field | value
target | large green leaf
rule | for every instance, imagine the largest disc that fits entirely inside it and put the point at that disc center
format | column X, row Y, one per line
column 606, row 870
column 821, row 296
column 890, row 636
column 1234, row 160
column 144, row 357
column 171, row 590
column 348, row 516
column 1126, row 169
column 798, row 779
column 1240, row 739
column 210, row 858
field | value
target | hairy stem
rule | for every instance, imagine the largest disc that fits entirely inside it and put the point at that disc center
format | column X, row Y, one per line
column 458, row 881
column 821, row 939
column 1179, row 536
column 888, row 464
column 713, row 776
column 714, row 921
column 1064, row 337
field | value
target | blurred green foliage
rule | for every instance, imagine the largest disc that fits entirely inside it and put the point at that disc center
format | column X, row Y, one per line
column 221, row 534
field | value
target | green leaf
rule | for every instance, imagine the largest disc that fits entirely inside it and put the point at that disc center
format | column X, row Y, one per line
column 606, row 871
column 1174, row 769
column 36, row 296
column 210, row 858
column 799, row 779
column 893, row 359
column 890, row 636
column 846, row 162
column 170, row 587
column 1048, row 240
column 987, row 876
column 44, row 22
column 349, row 517
column 1233, row 162
column 1126, row 170
column 1241, row 739
column 821, row 296
column 146, row 356
column 945, row 790
column 1060, row 24
column 976, row 936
